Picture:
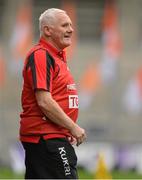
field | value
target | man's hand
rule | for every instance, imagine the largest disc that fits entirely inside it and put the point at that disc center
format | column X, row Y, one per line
column 78, row 133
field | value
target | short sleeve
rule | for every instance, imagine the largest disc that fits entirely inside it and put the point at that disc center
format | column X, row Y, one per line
column 40, row 70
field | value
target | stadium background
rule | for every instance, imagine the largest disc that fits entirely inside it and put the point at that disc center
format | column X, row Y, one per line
column 105, row 59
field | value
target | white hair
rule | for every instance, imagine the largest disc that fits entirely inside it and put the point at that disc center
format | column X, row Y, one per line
column 48, row 17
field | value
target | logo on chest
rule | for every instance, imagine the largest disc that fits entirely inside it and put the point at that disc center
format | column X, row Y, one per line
column 71, row 87
column 73, row 101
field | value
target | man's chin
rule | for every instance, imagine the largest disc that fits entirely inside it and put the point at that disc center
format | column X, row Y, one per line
column 68, row 44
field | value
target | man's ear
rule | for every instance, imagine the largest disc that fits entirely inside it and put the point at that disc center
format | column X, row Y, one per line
column 47, row 31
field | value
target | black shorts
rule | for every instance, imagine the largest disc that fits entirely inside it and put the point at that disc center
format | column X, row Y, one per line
column 50, row 159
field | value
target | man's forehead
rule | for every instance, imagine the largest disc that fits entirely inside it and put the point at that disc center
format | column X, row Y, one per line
column 63, row 17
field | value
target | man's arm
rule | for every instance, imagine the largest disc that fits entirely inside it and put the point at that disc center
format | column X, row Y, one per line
column 54, row 112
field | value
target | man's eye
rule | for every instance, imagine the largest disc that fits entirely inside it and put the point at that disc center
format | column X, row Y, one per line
column 64, row 25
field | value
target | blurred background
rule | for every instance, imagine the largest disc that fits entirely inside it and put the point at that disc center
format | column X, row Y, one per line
column 106, row 61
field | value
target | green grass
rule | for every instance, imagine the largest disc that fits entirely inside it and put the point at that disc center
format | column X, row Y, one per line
column 6, row 173
column 85, row 174
column 126, row 175
column 115, row 175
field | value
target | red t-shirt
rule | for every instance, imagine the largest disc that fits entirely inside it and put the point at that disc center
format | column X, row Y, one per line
column 46, row 69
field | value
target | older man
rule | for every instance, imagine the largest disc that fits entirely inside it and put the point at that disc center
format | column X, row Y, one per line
column 50, row 103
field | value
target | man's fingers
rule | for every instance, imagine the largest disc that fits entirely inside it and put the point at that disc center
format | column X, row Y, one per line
column 81, row 139
column 72, row 140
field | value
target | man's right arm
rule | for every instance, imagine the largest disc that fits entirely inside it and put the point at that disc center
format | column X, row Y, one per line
column 55, row 113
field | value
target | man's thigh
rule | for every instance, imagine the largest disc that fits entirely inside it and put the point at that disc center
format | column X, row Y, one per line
column 53, row 159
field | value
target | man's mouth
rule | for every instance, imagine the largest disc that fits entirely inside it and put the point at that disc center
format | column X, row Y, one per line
column 67, row 36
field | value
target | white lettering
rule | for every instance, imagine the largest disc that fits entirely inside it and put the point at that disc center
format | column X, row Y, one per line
column 71, row 87
column 62, row 150
column 65, row 160
column 73, row 101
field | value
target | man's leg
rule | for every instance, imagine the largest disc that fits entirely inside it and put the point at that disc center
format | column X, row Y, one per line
column 50, row 159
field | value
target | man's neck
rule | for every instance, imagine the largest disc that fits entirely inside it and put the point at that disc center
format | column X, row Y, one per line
column 48, row 39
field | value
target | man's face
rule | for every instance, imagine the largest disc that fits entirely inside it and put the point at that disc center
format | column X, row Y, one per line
column 61, row 31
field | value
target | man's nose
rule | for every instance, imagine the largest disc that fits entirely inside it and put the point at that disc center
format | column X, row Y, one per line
column 70, row 29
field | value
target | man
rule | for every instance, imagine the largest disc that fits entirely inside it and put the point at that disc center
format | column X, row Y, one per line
column 50, row 103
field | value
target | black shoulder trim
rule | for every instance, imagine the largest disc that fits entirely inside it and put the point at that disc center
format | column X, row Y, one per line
column 31, row 64
column 30, row 60
column 50, row 60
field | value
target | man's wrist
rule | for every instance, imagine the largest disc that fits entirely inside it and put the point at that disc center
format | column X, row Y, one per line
column 71, row 126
